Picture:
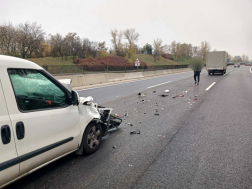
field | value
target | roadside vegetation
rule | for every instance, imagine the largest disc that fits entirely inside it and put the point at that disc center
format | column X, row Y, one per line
column 29, row 41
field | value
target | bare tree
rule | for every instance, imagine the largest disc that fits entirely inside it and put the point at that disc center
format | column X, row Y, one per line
column 205, row 47
column 195, row 50
column 30, row 36
column 102, row 49
column 57, row 43
column 117, row 42
column 173, row 47
column 132, row 37
column 8, row 38
column 158, row 49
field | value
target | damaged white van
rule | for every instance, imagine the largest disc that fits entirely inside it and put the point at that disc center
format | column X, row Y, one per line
column 42, row 120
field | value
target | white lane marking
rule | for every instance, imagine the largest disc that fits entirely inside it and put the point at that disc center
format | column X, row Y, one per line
column 129, row 82
column 158, row 84
column 107, row 85
column 210, row 86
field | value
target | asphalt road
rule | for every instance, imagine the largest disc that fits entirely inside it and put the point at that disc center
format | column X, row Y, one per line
column 201, row 140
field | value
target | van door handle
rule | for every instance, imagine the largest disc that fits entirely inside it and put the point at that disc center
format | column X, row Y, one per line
column 20, row 130
column 5, row 134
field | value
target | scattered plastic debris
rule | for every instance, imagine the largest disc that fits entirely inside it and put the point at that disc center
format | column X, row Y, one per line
column 130, row 165
column 175, row 96
column 114, row 147
column 125, row 115
column 130, row 124
column 135, row 132
column 181, row 95
column 117, row 115
column 156, row 113
column 195, row 99
column 167, row 91
column 154, row 91
column 142, row 95
column 164, row 95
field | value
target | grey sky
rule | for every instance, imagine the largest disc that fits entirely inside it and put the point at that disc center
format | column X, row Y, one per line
column 226, row 24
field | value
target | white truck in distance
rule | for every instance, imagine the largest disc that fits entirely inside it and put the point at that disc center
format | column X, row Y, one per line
column 42, row 119
column 216, row 62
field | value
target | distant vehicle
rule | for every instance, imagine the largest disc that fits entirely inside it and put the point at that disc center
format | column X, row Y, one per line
column 237, row 65
column 246, row 64
column 216, row 62
column 249, row 64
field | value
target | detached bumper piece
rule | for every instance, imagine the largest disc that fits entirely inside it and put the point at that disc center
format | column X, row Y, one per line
column 108, row 120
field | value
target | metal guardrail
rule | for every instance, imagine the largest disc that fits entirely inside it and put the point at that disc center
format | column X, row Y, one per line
column 80, row 69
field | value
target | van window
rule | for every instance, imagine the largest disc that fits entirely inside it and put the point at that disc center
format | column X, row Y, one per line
column 35, row 91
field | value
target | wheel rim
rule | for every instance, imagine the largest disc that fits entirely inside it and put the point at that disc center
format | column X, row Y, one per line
column 93, row 138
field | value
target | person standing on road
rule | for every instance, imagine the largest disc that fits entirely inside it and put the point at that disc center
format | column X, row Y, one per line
column 197, row 76
column 196, row 64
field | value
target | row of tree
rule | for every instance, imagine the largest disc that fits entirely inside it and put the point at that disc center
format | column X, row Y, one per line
column 29, row 40
column 124, row 44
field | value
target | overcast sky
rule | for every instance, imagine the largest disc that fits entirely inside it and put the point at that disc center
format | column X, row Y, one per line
column 225, row 24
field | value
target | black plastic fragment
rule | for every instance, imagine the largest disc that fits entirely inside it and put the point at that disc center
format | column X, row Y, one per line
column 135, row 132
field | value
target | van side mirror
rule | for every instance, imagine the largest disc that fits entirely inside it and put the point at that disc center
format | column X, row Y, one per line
column 75, row 98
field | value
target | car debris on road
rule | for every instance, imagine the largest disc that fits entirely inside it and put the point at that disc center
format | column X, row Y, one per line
column 135, row 132
column 164, row 95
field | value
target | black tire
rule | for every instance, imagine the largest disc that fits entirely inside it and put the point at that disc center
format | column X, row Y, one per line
column 92, row 138
column 209, row 73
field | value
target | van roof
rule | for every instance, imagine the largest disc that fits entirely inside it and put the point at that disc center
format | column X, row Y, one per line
column 13, row 62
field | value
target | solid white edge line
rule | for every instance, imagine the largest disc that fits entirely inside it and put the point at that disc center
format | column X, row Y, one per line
column 210, row 86
column 128, row 82
column 158, row 84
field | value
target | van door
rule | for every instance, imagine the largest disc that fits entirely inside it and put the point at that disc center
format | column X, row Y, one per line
column 9, row 166
column 45, row 123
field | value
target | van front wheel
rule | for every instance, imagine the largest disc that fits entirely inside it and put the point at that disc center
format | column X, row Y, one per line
column 92, row 138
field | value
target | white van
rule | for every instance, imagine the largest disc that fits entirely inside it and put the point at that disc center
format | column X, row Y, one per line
column 42, row 120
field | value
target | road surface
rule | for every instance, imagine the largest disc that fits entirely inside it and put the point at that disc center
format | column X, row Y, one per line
column 201, row 140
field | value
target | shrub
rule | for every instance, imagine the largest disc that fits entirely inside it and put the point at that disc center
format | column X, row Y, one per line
column 167, row 56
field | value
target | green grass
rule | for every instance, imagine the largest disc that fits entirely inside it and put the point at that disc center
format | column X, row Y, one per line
column 149, row 60
column 52, row 61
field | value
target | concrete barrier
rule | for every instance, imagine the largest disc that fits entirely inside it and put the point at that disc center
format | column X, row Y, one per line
column 115, row 77
column 133, row 75
column 99, row 78
column 148, row 73
column 92, row 79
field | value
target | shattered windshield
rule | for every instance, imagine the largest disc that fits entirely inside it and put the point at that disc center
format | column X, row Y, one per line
column 34, row 91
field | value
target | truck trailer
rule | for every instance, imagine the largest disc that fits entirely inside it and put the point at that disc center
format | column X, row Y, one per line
column 216, row 62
